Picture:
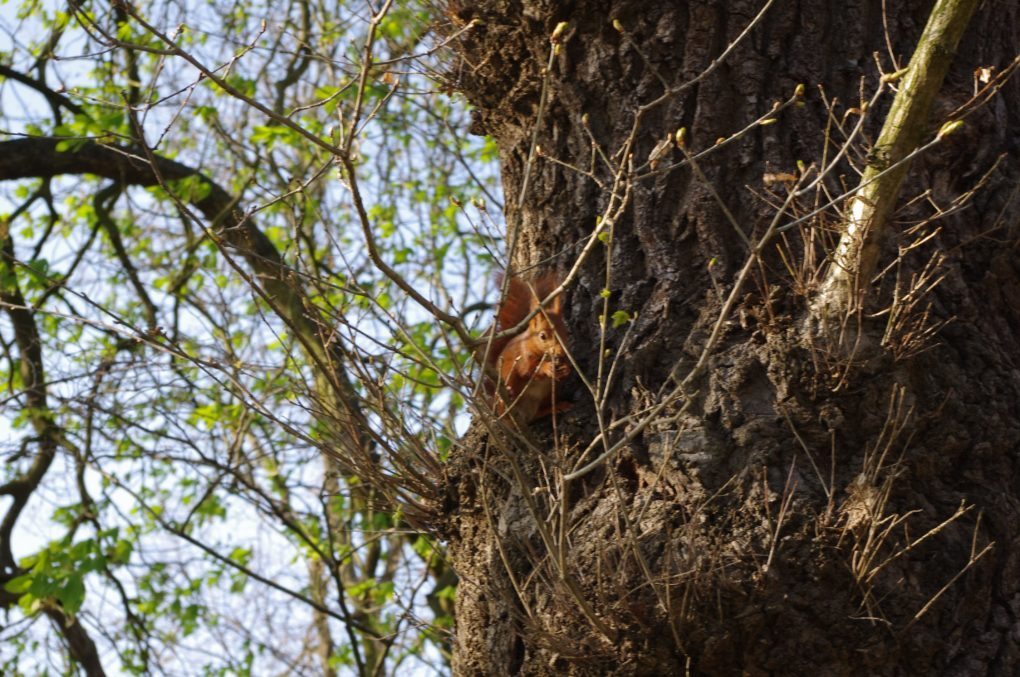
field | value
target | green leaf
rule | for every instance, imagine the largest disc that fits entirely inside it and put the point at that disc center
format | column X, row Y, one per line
column 620, row 318
column 19, row 585
column 72, row 594
column 121, row 552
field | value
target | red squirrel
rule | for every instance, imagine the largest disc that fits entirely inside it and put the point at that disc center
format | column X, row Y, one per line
column 531, row 365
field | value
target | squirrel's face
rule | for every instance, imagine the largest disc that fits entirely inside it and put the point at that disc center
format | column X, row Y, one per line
column 549, row 340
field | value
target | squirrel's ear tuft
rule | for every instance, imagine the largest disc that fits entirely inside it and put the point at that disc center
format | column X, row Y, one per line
column 546, row 284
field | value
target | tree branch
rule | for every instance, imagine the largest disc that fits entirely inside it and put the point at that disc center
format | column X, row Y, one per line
column 56, row 100
column 80, row 645
column 40, row 158
column 21, row 488
column 278, row 284
column 867, row 223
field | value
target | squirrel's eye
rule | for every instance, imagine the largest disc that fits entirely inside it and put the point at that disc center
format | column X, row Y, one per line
column 544, row 336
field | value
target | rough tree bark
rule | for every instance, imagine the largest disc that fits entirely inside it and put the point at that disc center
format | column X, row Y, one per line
column 770, row 521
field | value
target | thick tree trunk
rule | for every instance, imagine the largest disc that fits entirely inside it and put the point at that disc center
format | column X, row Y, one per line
column 771, row 518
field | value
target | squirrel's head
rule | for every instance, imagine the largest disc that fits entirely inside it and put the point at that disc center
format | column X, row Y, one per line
column 548, row 335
